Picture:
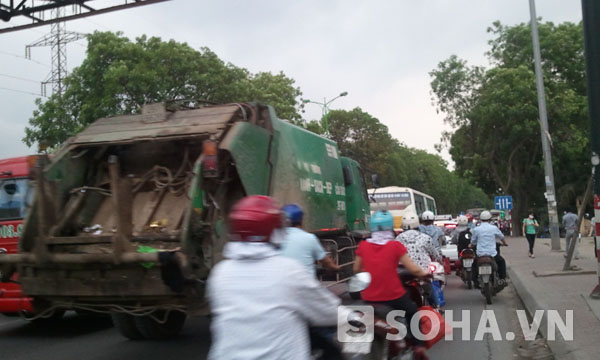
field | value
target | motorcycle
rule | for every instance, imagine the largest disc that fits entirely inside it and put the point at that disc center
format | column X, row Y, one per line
column 489, row 281
column 417, row 288
column 381, row 348
column 466, row 258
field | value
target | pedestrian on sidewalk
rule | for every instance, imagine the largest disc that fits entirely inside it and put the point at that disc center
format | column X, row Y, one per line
column 530, row 226
column 570, row 222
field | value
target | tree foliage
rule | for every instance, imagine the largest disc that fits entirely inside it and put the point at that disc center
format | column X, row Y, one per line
column 118, row 76
column 364, row 138
column 494, row 114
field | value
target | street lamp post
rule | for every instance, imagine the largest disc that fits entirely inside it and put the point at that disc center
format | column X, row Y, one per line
column 325, row 108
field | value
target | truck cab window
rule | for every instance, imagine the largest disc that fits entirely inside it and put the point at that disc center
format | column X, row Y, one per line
column 347, row 176
column 13, row 193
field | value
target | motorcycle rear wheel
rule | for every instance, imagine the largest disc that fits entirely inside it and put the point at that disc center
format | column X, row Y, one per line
column 487, row 292
column 379, row 349
column 469, row 280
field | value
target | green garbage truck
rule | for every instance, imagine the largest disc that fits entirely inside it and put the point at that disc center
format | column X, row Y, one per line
column 128, row 188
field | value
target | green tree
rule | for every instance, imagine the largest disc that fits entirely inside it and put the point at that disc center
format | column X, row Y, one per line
column 118, row 76
column 364, row 138
column 495, row 140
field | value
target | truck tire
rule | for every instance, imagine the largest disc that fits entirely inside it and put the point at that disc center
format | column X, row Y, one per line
column 126, row 326
column 153, row 330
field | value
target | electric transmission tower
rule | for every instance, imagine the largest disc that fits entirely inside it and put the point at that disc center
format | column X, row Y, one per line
column 58, row 39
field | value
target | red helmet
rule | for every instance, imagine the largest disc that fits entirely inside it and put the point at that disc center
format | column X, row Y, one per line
column 469, row 217
column 254, row 218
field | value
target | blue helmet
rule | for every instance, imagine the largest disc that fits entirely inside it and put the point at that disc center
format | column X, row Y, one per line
column 382, row 221
column 293, row 213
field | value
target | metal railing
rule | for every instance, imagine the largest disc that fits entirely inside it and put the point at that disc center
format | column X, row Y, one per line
column 334, row 252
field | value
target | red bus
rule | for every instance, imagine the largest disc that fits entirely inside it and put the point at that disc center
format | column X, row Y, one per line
column 15, row 196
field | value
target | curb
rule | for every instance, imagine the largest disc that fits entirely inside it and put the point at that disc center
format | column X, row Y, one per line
column 560, row 349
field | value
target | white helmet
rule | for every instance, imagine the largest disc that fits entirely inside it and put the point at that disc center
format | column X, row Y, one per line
column 463, row 220
column 427, row 215
column 485, row 215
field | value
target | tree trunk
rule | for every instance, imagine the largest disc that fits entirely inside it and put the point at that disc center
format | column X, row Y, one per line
column 520, row 208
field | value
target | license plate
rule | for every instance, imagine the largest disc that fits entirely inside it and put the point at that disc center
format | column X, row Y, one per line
column 356, row 347
column 467, row 262
column 485, row 270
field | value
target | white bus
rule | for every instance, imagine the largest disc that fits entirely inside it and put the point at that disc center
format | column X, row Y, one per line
column 405, row 204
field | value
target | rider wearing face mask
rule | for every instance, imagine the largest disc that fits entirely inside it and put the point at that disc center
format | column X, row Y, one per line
column 422, row 251
column 379, row 256
column 262, row 302
column 530, row 226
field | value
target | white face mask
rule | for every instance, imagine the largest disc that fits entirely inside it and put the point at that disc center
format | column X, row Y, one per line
column 531, row 217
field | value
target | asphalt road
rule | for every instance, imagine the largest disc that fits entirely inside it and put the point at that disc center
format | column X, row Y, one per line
column 504, row 307
column 88, row 338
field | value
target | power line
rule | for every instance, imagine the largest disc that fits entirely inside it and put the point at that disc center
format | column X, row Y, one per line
column 21, row 91
column 18, row 78
column 23, row 57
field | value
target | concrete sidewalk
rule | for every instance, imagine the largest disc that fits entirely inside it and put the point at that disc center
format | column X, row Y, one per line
column 558, row 292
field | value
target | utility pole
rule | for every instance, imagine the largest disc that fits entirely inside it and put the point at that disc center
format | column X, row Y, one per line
column 58, row 39
column 549, row 179
column 591, row 29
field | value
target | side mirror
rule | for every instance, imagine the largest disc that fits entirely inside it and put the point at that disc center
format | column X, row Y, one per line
column 359, row 282
column 375, row 180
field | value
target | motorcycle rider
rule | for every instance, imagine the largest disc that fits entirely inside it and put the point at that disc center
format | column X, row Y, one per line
column 301, row 245
column 380, row 255
column 261, row 301
column 462, row 225
column 461, row 236
column 484, row 237
column 306, row 248
column 422, row 251
column 421, row 247
column 430, row 229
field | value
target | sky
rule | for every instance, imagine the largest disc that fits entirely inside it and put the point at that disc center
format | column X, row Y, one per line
column 380, row 52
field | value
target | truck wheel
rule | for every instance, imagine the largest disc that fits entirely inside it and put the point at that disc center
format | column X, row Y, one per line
column 153, row 330
column 126, row 326
column 487, row 292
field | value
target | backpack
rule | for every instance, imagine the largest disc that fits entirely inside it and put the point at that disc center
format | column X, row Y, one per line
column 464, row 239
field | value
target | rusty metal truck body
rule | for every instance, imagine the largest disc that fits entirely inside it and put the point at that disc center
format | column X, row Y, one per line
column 130, row 186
